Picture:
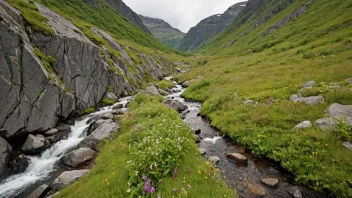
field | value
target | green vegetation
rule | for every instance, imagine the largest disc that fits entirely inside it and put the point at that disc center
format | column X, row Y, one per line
column 153, row 144
column 165, row 84
column 31, row 15
column 269, row 69
column 87, row 111
column 107, row 102
column 103, row 16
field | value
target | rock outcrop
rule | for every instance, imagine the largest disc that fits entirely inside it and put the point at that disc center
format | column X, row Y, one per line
column 79, row 157
column 163, row 31
column 34, row 98
column 208, row 28
column 5, row 148
column 67, row 178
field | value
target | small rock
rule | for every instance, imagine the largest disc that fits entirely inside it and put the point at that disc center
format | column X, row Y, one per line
column 79, row 157
column 310, row 84
column 118, row 106
column 67, row 178
column 250, row 102
column 312, row 100
column 51, row 131
column 63, row 127
column 197, row 138
column 176, row 105
column 214, row 159
column 235, row 95
column 162, row 92
column 33, row 144
column 271, row 182
column 153, row 90
column 326, row 123
column 197, row 132
column 202, row 151
column 40, row 191
column 185, row 84
column 256, row 189
column 241, row 159
column 304, row 124
column 295, row 192
column 339, row 111
column 348, row 145
column 350, row 79
column 108, row 116
column 295, row 97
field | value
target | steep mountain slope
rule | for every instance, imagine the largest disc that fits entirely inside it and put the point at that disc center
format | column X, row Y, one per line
column 51, row 68
column 208, row 28
column 124, row 10
column 163, row 31
column 254, row 87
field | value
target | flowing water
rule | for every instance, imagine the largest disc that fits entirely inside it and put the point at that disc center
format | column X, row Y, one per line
column 46, row 165
column 237, row 176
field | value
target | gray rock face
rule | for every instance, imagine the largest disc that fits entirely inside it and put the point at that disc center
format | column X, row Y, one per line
column 304, row 124
column 5, row 148
column 39, row 192
column 79, row 157
column 67, row 178
column 339, row 111
column 33, row 144
column 103, row 131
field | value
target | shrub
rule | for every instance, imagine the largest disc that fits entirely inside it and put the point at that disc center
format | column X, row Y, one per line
column 165, row 84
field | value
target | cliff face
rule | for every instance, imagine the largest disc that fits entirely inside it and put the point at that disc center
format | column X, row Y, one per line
column 163, row 31
column 210, row 27
column 34, row 97
column 125, row 11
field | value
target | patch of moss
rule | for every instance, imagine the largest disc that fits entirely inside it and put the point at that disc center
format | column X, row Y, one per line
column 32, row 17
column 107, row 102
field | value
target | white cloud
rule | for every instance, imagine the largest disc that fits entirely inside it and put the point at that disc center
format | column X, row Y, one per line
column 181, row 14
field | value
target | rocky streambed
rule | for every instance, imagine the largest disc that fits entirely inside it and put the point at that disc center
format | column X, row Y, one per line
column 250, row 175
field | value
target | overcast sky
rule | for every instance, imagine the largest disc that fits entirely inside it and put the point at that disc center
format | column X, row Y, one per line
column 181, row 14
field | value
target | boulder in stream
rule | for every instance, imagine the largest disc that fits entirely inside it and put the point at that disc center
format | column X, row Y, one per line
column 202, row 151
column 214, row 159
column 239, row 158
column 79, row 157
column 176, row 105
column 67, row 178
column 256, row 189
column 51, row 131
column 33, row 144
column 118, row 106
column 271, row 182
column 295, row 192
column 108, row 116
column 185, row 84
column 5, row 150
column 19, row 164
column 40, row 191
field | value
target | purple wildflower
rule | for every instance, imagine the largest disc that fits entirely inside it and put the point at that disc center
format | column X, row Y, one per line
column 138, row 128
column 175, row 190
column 150, row 168
column 152, row 190
column 147, row 186
column 271, row 101
column 144, row 177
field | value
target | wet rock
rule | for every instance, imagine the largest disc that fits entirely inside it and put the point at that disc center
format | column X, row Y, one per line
column 118, row 106
column 63, row 127
column 271, row 182
column 295, row 192
column 184, row 114
column 103, row 131
column 51, row 131
column 239, row 158
column 58, row 136
column 214, row 159
column 19, row 164
column 127, row 104
column 33, row 144
column 312, row 100
column 197, row 132
column 108, row 116
column 272, row 171
column 348, row 145
column 153, row 90
column 326, row 123
column 40, row 191
column 338, row 111
column 162, row 92
column 117, row 112
column 67, row 178
column 304, row 124
column 197, row 139
column 185, row 84
column 79, row 157
column 310, row 84
column 202, row 151
column 176, row 105
column 5, row 150
column 256, row 189
column 250, row 102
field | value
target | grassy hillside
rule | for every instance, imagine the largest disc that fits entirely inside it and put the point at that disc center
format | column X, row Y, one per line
column 269, row 69
column 106, row 18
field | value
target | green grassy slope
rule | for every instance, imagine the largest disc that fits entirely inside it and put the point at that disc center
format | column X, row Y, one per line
column 106, row 18
column 315, row 46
